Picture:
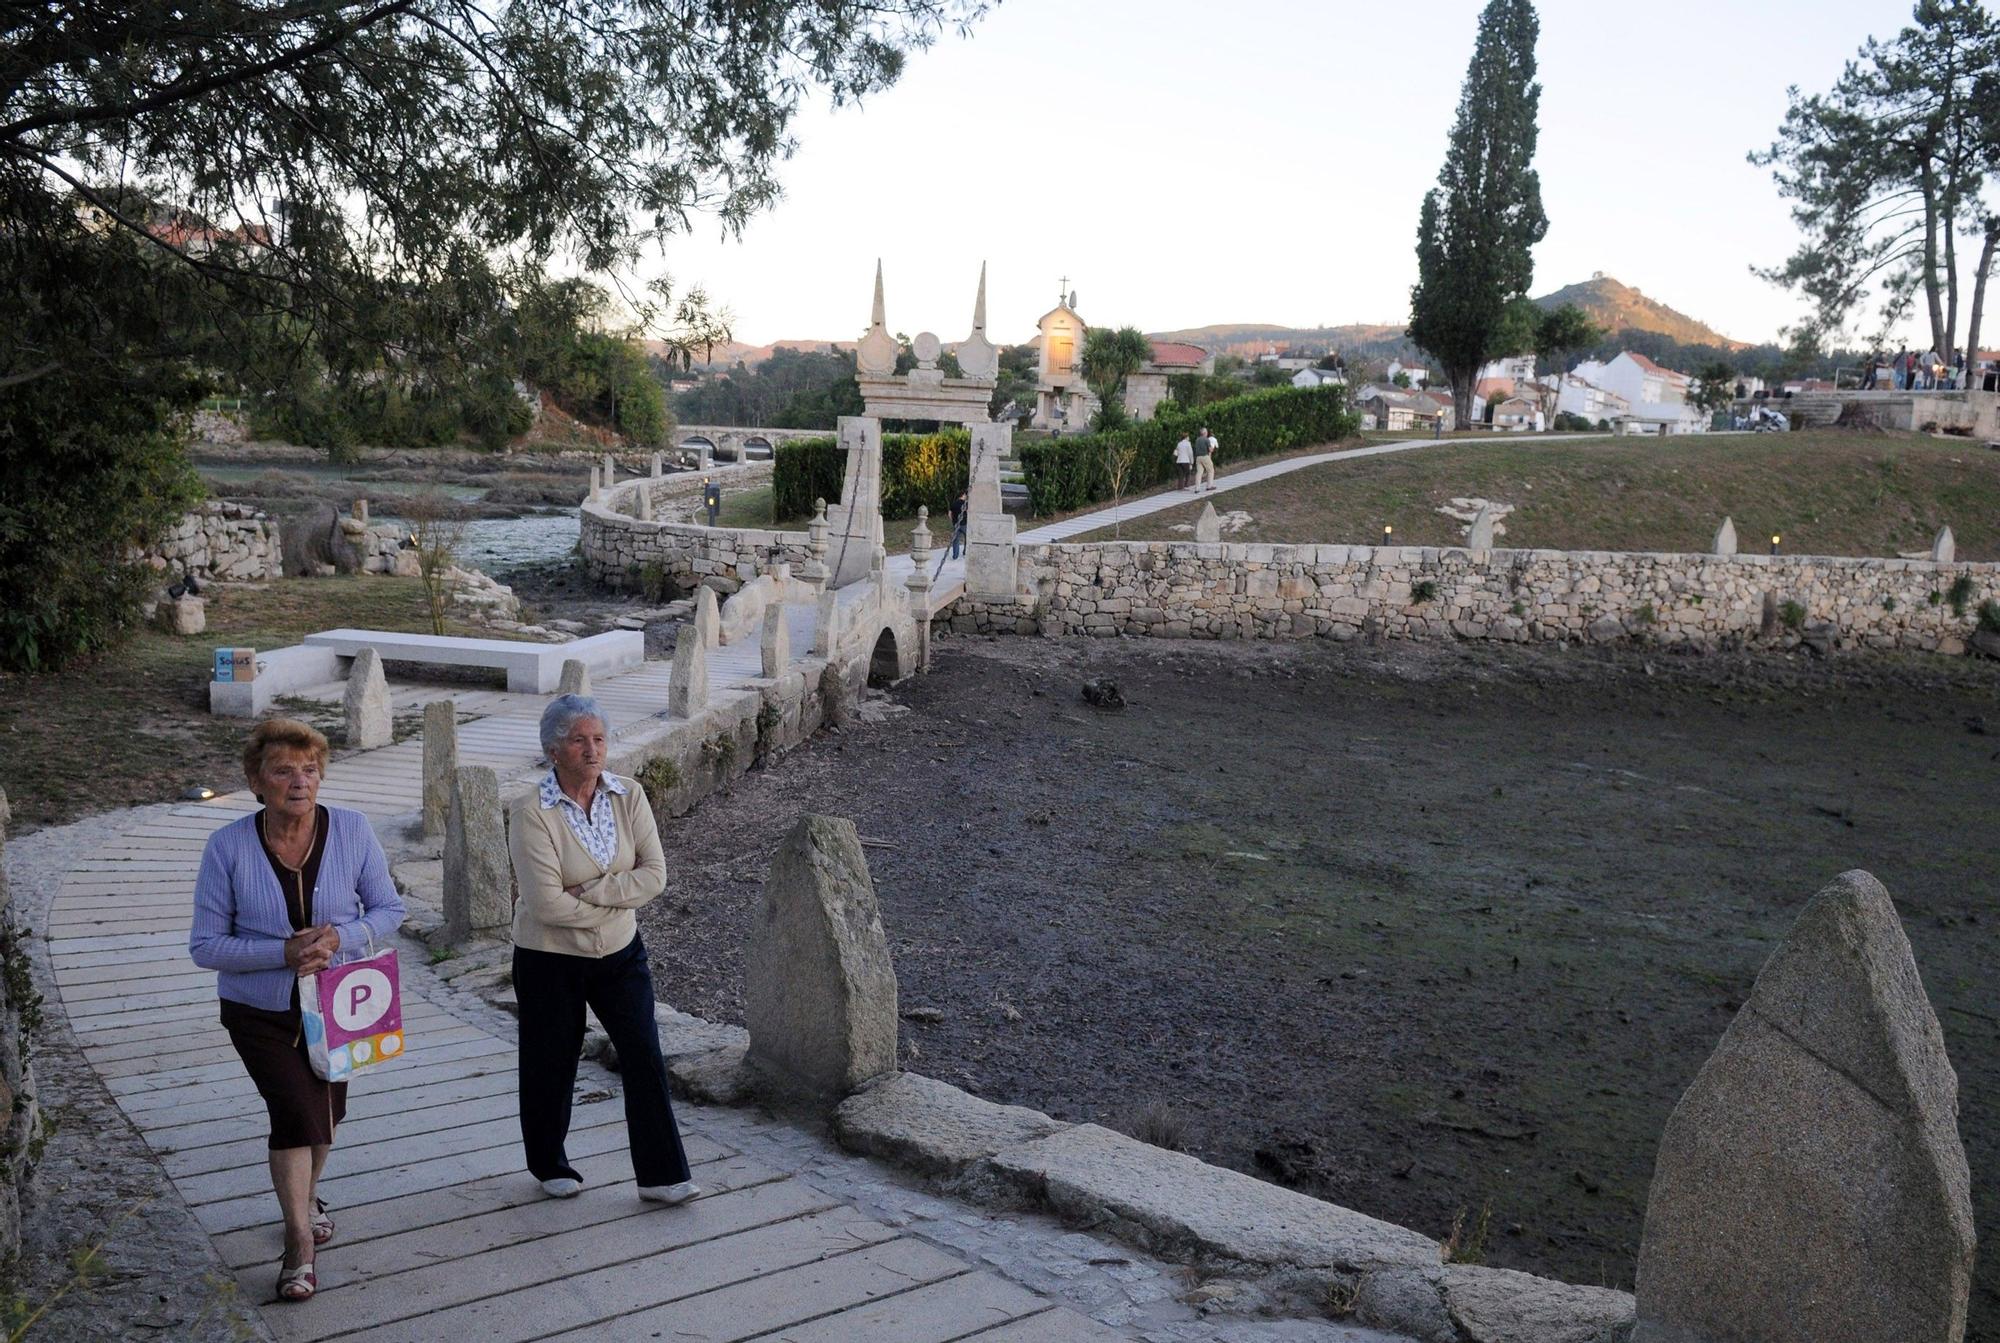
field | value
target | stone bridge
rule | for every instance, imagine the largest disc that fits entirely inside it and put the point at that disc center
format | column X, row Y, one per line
column 732, row 443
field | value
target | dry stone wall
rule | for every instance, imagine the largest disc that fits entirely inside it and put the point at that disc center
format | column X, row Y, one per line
column 618, row 548
column 219, row 541
column 1221, row 591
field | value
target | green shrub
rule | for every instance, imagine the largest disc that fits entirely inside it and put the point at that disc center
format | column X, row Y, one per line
column 1793, row 615
column 1069, row 473
column 1989, row 616
column 918, row 470
column 1959, row 594
column 1646, row 615
column 1423, row 590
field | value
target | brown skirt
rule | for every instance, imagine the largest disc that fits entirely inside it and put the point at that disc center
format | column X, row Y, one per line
column 304, row 1110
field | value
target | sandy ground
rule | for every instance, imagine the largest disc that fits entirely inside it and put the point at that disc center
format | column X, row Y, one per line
column 1437, row 932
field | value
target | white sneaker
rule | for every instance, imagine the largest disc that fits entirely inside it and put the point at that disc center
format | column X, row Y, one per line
column 562, row 1187
column 669, row 1193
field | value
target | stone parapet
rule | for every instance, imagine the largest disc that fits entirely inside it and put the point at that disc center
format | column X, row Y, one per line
column 618, row 547
column 218, row 542
column 1181, row 589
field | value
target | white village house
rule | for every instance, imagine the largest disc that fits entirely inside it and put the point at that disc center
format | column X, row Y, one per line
column 1656, row 397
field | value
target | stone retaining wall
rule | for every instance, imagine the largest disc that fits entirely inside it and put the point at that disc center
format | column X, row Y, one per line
column 1221, row 591
column 219, row 541
column 618, row 548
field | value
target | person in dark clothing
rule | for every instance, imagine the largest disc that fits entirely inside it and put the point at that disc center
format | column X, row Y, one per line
column 959, row 507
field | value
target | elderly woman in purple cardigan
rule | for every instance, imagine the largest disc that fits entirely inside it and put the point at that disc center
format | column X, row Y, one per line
column 285, row 892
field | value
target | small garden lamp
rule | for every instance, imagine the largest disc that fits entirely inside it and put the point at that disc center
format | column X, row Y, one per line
column 1387, row 532
column 1775, row 538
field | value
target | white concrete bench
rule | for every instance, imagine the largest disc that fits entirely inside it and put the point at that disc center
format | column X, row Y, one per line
column 279, row 672
column 533, row 669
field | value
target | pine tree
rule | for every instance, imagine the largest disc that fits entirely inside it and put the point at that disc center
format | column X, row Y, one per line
column 1479, row 224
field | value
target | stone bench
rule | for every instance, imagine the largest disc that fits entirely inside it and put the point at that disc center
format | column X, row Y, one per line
column 282, row 671
column 532, row 668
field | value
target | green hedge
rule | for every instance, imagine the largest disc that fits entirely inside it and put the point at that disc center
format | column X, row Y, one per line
column 1068, row 473
column 927, row 470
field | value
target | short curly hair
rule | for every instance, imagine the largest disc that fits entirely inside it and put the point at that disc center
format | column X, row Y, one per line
column 284, row 734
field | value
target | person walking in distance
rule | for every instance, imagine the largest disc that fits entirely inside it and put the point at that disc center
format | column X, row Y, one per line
column 959, row 506
column 1204, row 460
column 1184, row 461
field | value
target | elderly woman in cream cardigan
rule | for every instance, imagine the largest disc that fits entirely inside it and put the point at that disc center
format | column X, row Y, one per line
column 587, row 854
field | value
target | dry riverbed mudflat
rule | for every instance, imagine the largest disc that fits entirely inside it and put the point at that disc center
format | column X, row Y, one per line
column 1438, row 932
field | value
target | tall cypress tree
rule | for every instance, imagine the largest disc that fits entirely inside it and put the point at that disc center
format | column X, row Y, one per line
column 1480, row 221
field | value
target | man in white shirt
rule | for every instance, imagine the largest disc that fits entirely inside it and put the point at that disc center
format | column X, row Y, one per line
column 1184, row 460
column 1204, row 460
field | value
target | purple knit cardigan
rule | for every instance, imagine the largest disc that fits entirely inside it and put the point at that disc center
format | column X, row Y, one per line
column 240, row 919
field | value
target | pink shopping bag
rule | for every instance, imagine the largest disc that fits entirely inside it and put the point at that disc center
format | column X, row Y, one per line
column 352, row 1015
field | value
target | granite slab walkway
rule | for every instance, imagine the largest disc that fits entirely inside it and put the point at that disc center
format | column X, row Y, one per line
column 441, row 1233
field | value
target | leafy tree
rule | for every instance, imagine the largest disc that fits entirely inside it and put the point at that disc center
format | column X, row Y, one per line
column 1109, row 358
column 1560, row 334
column 1401, row 379
column 1888, row 172
column 1714, row 387
column 1477, row 226
column 189, row 186
column 793, row 389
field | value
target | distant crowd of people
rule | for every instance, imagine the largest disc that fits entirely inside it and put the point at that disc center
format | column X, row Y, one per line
column 1910, row 371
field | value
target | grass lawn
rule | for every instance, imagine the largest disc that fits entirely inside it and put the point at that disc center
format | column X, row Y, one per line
column 133, row 727
column 1827, row 492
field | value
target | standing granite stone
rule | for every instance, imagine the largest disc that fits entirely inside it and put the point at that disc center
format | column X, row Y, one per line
column 707, row 617
column 659, row 467
column 1208, row 527
column 575, row 677
column 687, row 687
column 608, row 471
column 642, row 504
column 819, row 992
column 1480, row 535
column 776, row 645
column 478, row 878
column 366, row 704
column 1725, row 537
column 594, row 485
column 1811, row 1186
column 1944, row 550
column 440, row 762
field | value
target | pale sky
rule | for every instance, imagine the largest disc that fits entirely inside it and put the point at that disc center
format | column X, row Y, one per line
column 1189, row 163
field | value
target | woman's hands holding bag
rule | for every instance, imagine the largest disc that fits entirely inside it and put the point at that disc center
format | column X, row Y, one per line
column 313, row 950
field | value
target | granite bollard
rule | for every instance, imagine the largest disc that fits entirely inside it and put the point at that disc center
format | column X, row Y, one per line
column 819, row 989
column 1725, row 538
column 1207, row 527
column 575, row 677
column 478, row 877
column 365, row 706
column 1944, row 547
column 775, row 648
column 1811, row 1186
column 707, row 617
column 1480, row 535
column 687, row 686
column 440, row 762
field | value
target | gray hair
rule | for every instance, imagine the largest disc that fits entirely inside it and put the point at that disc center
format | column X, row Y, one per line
column 565, row 712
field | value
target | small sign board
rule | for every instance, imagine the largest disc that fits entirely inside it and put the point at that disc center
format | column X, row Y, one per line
column 235, row 664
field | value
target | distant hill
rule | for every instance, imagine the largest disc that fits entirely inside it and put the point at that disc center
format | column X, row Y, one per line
column 1618, row 307
column 1249, row 339
column 726, row 355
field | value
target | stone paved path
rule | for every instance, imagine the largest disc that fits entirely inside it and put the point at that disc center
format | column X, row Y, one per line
column 440, row 1232
column 1070, row 528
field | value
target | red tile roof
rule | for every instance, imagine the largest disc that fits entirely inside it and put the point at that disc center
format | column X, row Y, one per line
column 1174, row 354
column 1643, row 362
column 1489, row 388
